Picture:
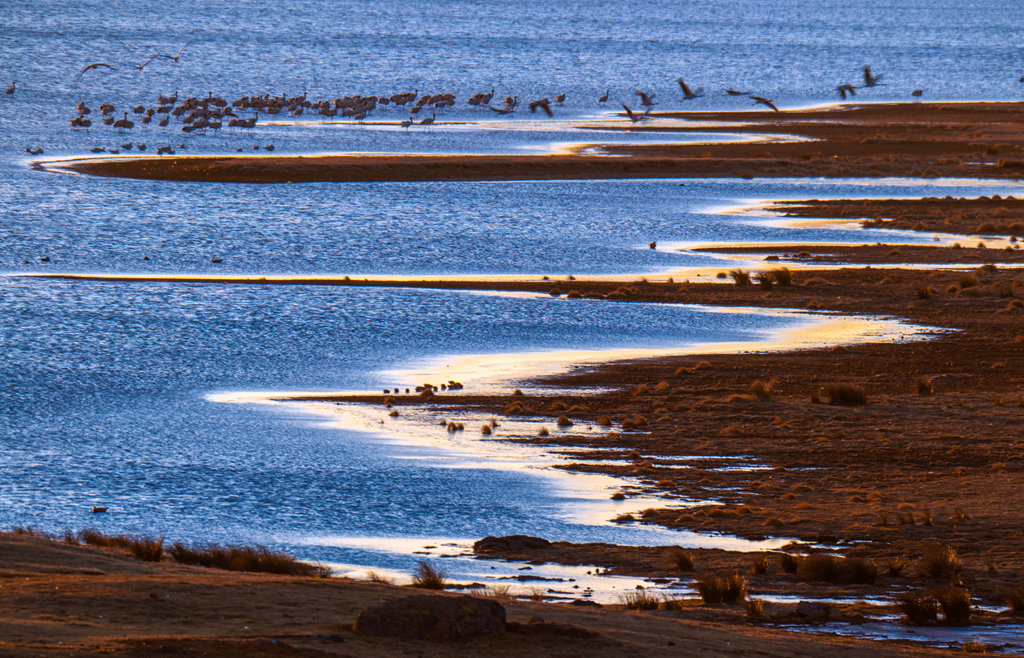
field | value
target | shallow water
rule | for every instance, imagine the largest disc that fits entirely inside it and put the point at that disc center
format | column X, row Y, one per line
column 107, row 388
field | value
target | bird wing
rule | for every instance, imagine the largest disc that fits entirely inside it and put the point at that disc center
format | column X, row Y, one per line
column 547, row 109
column 629, row 112
column 771, row 105
column 180, row 50
column 93, row 66
column 499, row 110
column 686, row 90
column 143, row 65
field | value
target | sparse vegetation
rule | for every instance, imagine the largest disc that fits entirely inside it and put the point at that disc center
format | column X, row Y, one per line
column 836, row 569
column 740, row 277
column 761, row 390
column 428, row 576
column 923, row 386
column 920, row 609
column 956, row 606
column 143, row 548
column 715, row 589
column 788, row 562
column 759, row 565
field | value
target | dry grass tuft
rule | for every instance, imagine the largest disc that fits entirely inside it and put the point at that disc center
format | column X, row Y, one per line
column 940, row 561
column 755, row 607
column 143, row 548
column 759, row 565
column 246, row 558
column 563, row 422
column 1014, row 598
column 956, row 606
column 846, row 395
column 640, row 600
column 761, row 390
column 740, row 277
column 783, row 277
column 839, row 570
column 715, row 589
column 924, row 386
column 789, row 563
column 428, row 576
column 920, row 609
column 680, row 558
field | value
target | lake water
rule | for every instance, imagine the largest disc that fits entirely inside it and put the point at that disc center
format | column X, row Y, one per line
column 109, row 391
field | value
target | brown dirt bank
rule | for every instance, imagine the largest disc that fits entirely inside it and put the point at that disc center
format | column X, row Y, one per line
column 58, row 600
column 980, row 140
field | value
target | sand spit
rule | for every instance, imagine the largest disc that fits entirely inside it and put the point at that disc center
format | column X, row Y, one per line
column 921, row 140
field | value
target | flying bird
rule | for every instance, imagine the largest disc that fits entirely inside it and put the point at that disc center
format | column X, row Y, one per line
column 765, row 101
column 543, row 104
column 176, row 55
column 634, row 117
column 733, row 92
column 845, row 90
column 871, row 80
column 688, row 94
column 10, row 90
column 93, row 66
column 646, row 100
column 604, row 99
column 917, row 93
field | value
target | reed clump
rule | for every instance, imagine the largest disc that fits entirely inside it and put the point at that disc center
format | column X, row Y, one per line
column 715, row 589
column 940, row 561
column 838, row 570
column 142, row 548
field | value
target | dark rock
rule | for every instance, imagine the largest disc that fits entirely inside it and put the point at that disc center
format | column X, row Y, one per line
column 513, row 543
column 585, row 603
column 813, row 609
column 433, row 617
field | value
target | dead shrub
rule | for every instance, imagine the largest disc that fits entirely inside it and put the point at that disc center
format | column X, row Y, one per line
column 846, row 395
column 968, row 281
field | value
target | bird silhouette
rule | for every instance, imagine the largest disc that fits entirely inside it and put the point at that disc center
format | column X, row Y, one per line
column 604, row 99
column 175, row 56
column 845, row 90
column 543, row 104
column 871, row 80
column 143, row 65
column 93, row 66
column 10, row 90
column 688, row 94
column 560, row 98
column 764, row 101
column 646, row 100
column 429, row 121
column 917, row 93
column 733, row 92
column 633, row 116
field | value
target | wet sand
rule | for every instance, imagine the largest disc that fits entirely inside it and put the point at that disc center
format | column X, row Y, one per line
column 928, row 140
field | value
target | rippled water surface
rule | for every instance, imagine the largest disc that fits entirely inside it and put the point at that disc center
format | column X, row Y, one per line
column 109, row 389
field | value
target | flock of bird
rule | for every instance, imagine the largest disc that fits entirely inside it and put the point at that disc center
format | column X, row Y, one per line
column 213, row 113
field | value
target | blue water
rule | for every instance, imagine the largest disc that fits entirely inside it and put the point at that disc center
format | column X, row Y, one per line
column 104, row 386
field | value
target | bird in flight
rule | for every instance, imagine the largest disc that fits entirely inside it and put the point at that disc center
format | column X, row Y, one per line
column 543, row 104
column 846, row 89
column 176, row 55
column 734, row 92
column 646, row 100
column 634, row 117
column 764, row 101
column 871, row 80
column 93, row 66
column 688, row 94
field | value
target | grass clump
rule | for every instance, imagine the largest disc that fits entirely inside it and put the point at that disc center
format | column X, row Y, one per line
column 715, row 589
column 681, row 558
column 428, row 576
column 640, row 600
column 759, row 565
column 941, row 561
column 956, row 606
column 740, row 277
column 783, row 276
column 838, row 570
column 920, row 609
column 761, row 390
column 924, row 386
column 788, row 562
column 1014, row 598
column 142, row 548
column 846, row 395
column 246, row 558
